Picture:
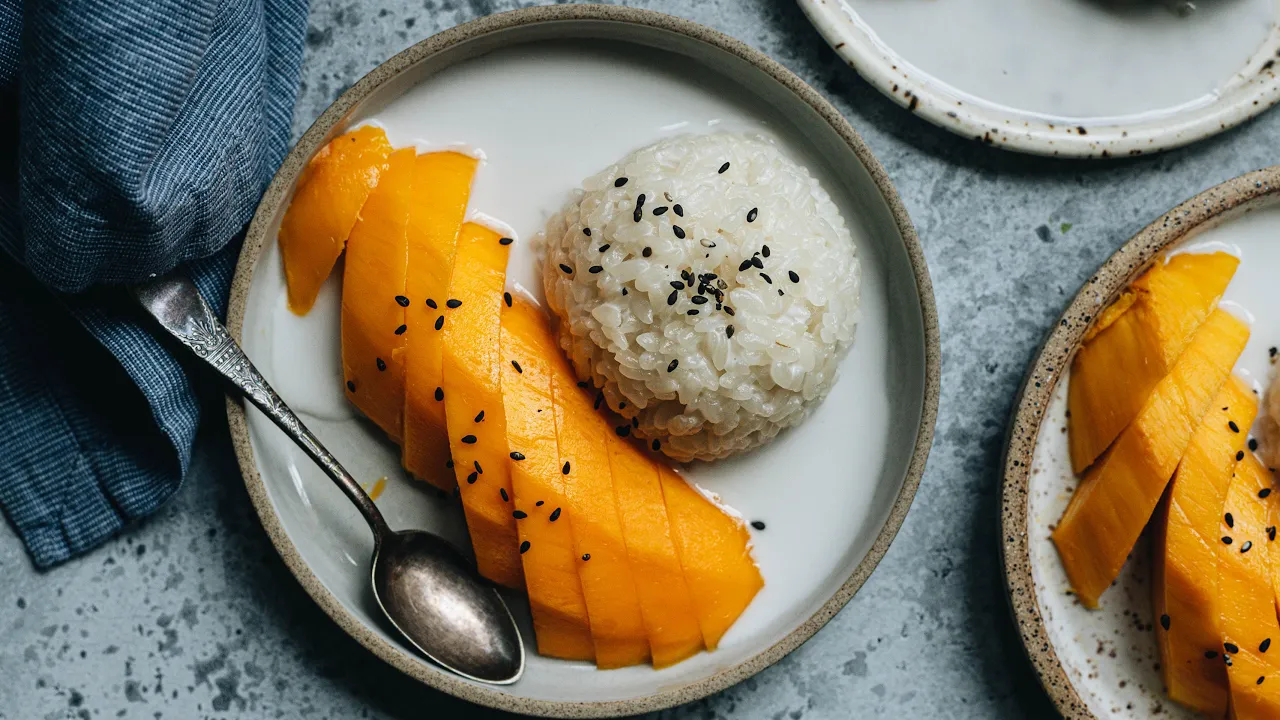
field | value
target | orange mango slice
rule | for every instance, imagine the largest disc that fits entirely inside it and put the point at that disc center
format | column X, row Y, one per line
column 1246, row 600
column 372, row 292
column 715, row 554
column 1119, row 492
column 665, row 604
column 1135, row 343
column 474, row 411
column 442, row 186
column 559, row 609
column 325, row 207
column 1186, row 553
column 604, row 569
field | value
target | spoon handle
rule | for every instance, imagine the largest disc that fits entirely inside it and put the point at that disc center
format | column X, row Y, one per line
column 175, row 302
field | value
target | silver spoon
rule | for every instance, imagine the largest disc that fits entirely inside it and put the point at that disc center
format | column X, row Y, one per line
column 428, row 591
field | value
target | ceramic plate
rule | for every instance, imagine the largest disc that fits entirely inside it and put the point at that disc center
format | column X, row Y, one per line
column 1078, row 78
column 1104, row 663
column 549, row 96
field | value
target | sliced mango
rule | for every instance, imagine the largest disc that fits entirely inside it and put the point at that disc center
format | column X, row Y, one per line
column 330, row 193
column 1246, row 600
column 372, row 297
column 608, row 581
column 442, row 186
column 560, row 621
column 1186, row 553
column 1119, row 492
column 665, row 604
column 1135, row 343
column 474, row 411
column 715, row 554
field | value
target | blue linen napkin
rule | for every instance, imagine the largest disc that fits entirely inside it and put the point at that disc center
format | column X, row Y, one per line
column 141, row 134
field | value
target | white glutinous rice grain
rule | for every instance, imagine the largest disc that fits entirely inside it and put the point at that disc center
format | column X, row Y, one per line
column 708, row 286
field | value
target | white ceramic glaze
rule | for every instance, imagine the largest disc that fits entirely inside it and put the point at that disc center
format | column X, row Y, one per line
column 545, row 115
column 1065, row 77
column 1110, row 655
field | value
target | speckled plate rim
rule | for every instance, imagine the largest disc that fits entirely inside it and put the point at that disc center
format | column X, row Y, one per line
column 257, row 238
column 941, row 105
column 1037, row 390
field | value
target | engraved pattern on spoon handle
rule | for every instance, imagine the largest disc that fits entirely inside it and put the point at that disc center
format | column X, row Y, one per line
column 176, row 303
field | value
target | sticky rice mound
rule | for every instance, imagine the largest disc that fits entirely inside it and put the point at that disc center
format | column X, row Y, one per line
column 708, row 287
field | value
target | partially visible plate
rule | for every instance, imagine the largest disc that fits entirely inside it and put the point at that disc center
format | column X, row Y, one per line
column 549, row 96
column 1104, row 663
column 1076, row 78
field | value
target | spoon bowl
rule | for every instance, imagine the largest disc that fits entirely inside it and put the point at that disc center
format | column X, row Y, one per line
column 423, row 585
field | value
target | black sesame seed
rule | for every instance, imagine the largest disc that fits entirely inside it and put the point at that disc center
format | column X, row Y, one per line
column 764, row 250
column 516, row 365
column 480, row 416
column 503, row 492
column 586, row 231
column 635, row 216
column 382, row 364
column 1271, row 533
column 1261, row 678
column 554, row 516
column 351, row 386
column 1210, row 654
column 524, row 547
column 660, row 210
column 751, row 214
column 671, row 299
column 469, row 439
column 449, row 464
column 439, row 322
column 758, row 263
column 599, row 400
column 657, row 445
column 691, row 311
column 402, row 301
column 400, row 330
column 604, row 247
column 672, row 366
column 780, row 293
column 471, row 479
column 539, row 503
column 519, row 514
column 1248, row 544
column 742, row 267
column 767, row 278
column 1230, row 647
column 624, row 292
column 723, row 168
column 1253, row 444
column 757, row 524
column 505, row 241
column 476, row 464
column 728, row 331
column 677, row 284
column 640, row 201
column 623, row 430
column 647, row 252
column 453, row 304
column 564, row 470
column 586, row 557
column 595, row 269
column 678, row 210
column 1226, row 659
column 1164, row 621
column 567, row 270
column 439, row 394
column 582, row 383
column 795, row 278
column 679, row 231
column 620, row 182
column 728, row 310
column 1234, row 427
column 1273, row 351
column 1239, row 455
column 506, row 297
column 1264, row 492
column 1229, row 520
column 1265, row 646
column 517, row 456
column 432, row 304
column 1226, row 539
column 622, row 404
column 699, row 300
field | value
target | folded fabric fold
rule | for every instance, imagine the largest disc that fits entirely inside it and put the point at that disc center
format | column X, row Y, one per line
column 143, row 134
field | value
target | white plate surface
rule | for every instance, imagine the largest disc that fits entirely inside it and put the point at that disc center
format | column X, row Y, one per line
column 1110, row 654
column 1065, row 77
column 546, row 115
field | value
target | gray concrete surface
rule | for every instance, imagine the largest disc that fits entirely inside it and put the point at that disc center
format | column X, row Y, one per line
column 192, row 614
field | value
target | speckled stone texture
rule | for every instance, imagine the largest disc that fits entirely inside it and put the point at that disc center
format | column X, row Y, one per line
column 192, row 614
